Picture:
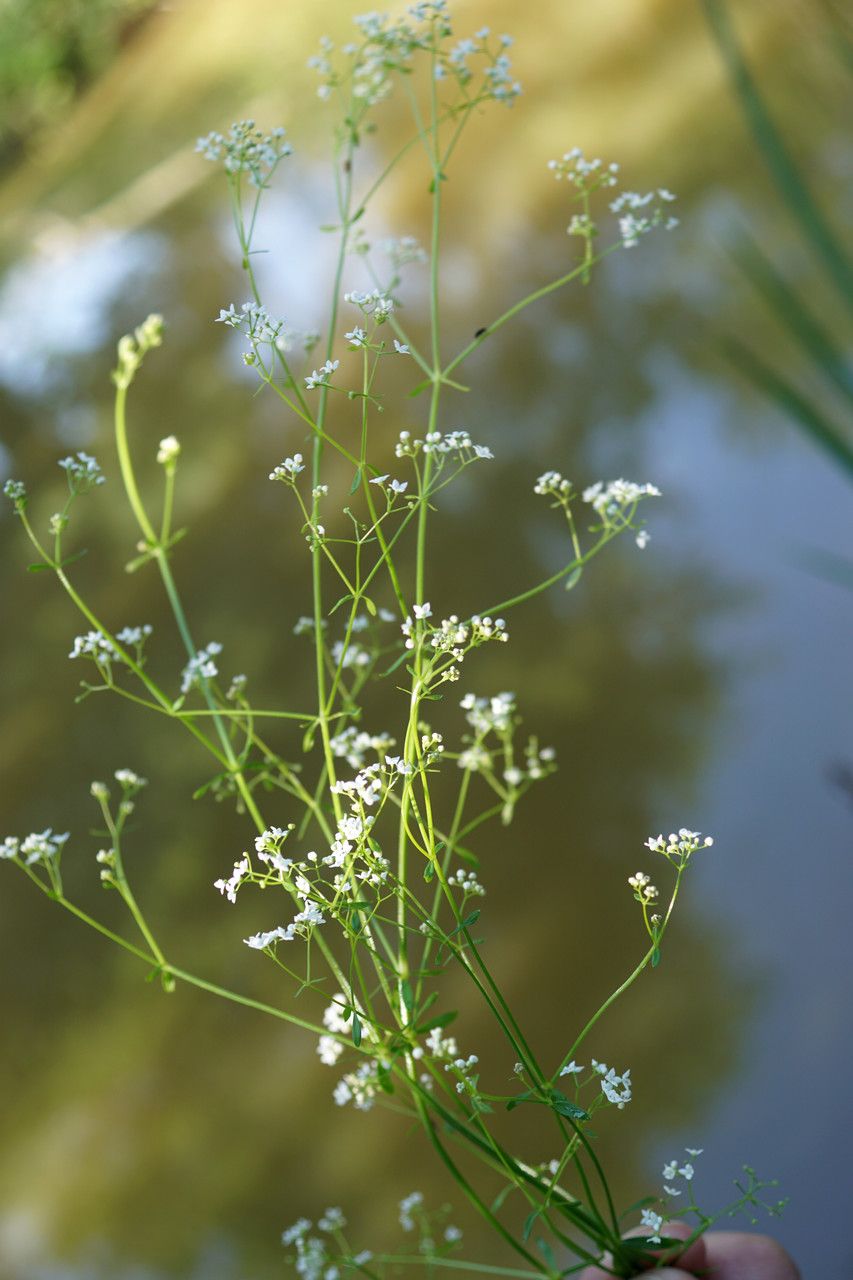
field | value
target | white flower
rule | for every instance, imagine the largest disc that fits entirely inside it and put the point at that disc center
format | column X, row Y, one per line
column 82, row 471
column 289, row 469
column 654, row 1222
column 132, row 781
column 320, row 377
column 260, row 941
column 572, row 1069
column 413, row 1201
column 642, row 539
column 401, row 348
column 245, row 149
column 201, row 667
column 230, row 886
column 329, row 1050
column 422, row 611
column 168, row 451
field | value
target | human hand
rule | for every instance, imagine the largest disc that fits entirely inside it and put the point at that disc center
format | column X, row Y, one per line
column 721, row 1255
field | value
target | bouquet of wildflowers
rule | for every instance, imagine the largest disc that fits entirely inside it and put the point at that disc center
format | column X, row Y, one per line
column 369, row 842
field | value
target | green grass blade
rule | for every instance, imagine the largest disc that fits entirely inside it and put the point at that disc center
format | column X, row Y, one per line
column 776, row 156
column 789, row 308
column 824, row 433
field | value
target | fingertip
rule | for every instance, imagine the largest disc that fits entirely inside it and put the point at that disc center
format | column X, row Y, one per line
column 734, row 1255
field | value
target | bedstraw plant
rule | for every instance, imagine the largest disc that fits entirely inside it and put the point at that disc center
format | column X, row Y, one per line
column 374, row 889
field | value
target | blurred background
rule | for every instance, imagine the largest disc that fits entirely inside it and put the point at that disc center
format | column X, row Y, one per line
column 705, row 682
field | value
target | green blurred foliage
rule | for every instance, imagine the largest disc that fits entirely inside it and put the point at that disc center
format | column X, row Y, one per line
column 50, row 50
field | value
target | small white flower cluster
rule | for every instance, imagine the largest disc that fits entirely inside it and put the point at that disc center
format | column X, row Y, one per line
column 458, row 443
column 612, row 499
column 387, row 46
column 305, row 626
column 201, row 667
column 169, row 451
column 353, row 744
column 452, row 636
column 82, row 470
column 95, row 645
column 351, row 844
column 268, row 848
column 237, row 687
column 673, row 1170
column 551, row 484
column 373, row 303
column 490, row 715
column 313, row 1260
column 40, row 846
column 539, row 760
column 467, row 881
column 367, row 786
column 633, row 223
column 463, row 1069
column 133, row 346
column 438, row 1045
column 302, row 924
column 129, row 781
column 329, row 1049
column 288, row 470
column 320, row 377
column 253, row 320
column 644, row 891
column 679, row 846
column 653, row 1222
column 135, row 635
column 16, row 492
column 359, row 1087
column 350, row 656
column 407, row 1206
column 245, row 149
column 586, row 175
column 404, row 250
column 616, row 1088
column 229, row 887
column 637, row 214
column 391, row 488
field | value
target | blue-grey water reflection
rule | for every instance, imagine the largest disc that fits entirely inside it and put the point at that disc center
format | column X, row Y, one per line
column 704, row 681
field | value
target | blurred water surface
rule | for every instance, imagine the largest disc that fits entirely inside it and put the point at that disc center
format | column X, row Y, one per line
column 705, row 681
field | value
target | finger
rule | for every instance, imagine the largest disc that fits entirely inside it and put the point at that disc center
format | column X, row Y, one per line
column 734, row 1255
column 694, row 1256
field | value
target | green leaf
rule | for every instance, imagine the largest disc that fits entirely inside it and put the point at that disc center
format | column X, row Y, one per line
column 78, row 555
column 440, row 1020
column 565, row 1107
column 529, row 1223
column 527, row 1096
column 574, row 577
column 396, row 663
column 38, row 566
column 356, row 482
column 408, row 994
column 656, row 957
column 429, row 872
column 546, row 1251
column 369, row 606
column 383, row 1075
column 356, row 1029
